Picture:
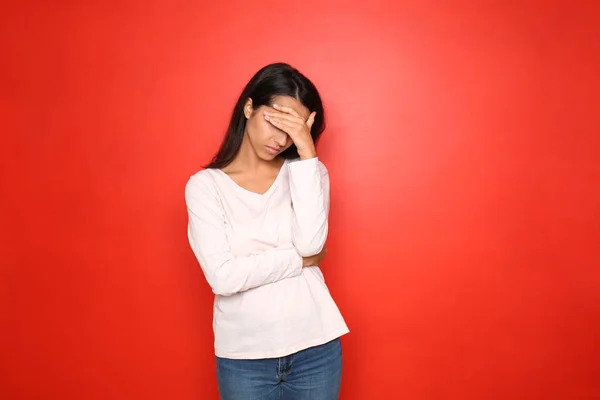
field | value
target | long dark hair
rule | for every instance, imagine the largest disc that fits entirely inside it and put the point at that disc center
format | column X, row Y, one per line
column 273, row 80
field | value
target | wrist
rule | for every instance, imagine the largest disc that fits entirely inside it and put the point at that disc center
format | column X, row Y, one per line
column 307, row 154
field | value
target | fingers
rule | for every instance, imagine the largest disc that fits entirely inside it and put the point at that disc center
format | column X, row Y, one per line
column 314, row 260
column 322, row 255
column 284, row 125
column 283, row 116
column 288, row 110
column 290, row 122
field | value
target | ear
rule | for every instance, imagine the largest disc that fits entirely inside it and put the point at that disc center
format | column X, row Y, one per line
column 248, row 108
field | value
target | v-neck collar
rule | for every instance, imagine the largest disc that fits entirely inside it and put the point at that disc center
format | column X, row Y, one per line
column 267, row 192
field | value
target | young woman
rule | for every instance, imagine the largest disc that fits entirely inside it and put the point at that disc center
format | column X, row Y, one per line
column 258, row 224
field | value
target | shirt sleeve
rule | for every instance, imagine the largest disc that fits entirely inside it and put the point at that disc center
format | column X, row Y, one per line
column 309, row 187
column 228, row 274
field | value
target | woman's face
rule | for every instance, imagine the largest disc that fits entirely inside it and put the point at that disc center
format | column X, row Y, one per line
column 267, row 140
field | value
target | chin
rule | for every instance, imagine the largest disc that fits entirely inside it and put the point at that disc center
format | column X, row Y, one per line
column 267, row 156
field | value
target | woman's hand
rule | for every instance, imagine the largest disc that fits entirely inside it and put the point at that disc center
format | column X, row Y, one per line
column 314, row 260
column 289, row 121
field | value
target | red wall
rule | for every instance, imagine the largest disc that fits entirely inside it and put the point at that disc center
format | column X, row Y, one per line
column 464, row 151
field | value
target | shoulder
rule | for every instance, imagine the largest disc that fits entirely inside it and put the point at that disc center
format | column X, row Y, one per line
column 201, row 183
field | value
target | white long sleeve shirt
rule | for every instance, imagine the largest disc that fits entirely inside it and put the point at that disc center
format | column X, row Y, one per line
column 250, row 248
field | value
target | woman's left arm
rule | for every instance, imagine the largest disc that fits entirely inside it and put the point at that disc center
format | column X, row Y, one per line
column 309, row 182
column 309, row 187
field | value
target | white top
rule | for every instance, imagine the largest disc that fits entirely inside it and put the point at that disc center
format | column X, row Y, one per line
column 250, row 247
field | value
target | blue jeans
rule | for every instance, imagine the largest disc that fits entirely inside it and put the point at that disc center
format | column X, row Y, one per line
column 314, row 373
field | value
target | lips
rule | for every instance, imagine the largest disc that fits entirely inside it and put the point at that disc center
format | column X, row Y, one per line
column 272, row 150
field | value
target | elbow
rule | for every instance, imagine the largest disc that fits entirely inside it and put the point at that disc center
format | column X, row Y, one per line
column 223, row 293
column 309, row 242
column 309, row 251
column 223, row 284
column 222, row 288
column 221, row 279
column 309, row 248
column 310, row 245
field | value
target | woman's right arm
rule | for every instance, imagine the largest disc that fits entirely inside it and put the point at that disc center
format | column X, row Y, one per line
column 226, row 273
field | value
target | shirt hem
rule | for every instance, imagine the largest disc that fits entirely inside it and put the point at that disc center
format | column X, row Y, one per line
column 282, row 353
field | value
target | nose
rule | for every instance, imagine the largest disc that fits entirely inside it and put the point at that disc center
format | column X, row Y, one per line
column 281, row 139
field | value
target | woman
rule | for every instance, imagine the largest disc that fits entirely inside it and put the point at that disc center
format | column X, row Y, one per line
column 258, row 224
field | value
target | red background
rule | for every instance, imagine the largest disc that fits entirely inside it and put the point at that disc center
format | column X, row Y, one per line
column 464, row 151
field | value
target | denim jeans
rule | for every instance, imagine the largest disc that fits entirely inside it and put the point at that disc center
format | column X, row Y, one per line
column 314, row 373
